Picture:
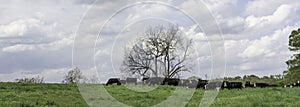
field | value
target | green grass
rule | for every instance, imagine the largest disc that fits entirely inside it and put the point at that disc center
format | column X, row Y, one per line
column 40, row 95
column 63, row 95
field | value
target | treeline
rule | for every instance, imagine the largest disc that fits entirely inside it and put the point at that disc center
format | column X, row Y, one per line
column 31, row 80
column 73, row 76
column 272, row 79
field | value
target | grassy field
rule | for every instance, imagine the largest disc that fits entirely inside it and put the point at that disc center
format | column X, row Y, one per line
column 63, row 95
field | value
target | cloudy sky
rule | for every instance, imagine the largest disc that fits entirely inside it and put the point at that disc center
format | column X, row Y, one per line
column 37, row 37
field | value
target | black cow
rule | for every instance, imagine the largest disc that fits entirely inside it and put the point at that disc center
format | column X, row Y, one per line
column 233, row 85
column 113, row 81
column 131, row 81
column 155, row 81
column 145, row 78
column 215, row 85
column 193, row 84
column 202, row 84
column 261, row 85
column 123, row 81
column 171, row 81
column 297, row 84
column 273, row 85
column 184, row 82
column 247, row 84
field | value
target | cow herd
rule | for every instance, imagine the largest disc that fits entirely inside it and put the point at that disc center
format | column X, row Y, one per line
column 296, row 84
column 199, row 84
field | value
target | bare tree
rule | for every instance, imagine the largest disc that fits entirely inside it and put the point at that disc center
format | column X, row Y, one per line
column 73, row 76
column 162, row 51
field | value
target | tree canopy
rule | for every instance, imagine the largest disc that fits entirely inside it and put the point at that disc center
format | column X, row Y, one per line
column 73, row 76
column 293, row 73
column 162, row 51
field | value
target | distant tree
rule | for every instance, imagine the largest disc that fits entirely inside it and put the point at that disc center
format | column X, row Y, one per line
column 162, row 52
column 252, row 78
column 244, row 77
column 193, row 78
column 293, row 73
column 31, row 80
column 265, row 77
column 73, row 76
column 238, row 77
column 278, row 76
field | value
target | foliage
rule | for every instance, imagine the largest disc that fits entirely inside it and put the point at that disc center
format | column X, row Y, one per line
column 293, row 73
column 272, row 79
column 73, row 76
column 30, row 80
column 162, row 52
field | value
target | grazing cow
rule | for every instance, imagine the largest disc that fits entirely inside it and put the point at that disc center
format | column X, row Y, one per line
column 261, row 85
column 184, row 82
column 285, row 86
column 233, row 85
column 131, row 81
column 155, row 81
column 171, row 81
column 247, row 84
column 145, row 78
column 214, row 85
column 202, row 83
column 193, row 84
column 123, row 81
column 297, row 84
column 273, row 85
column 113, row 81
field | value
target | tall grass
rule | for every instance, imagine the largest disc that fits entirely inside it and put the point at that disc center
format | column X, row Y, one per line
column 39, row 95
column 67, row 95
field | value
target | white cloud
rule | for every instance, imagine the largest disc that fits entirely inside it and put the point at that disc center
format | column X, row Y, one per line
column 280, row 15
column 269, row 46
column 18, row 48
column 265, row 16
column 59, row 44
column 54, row 75
column 263, row 7
column 194, row 33
column 263, row 56
column 19, row 27
column 56, row 45
column 255, row 33
column 219, row 4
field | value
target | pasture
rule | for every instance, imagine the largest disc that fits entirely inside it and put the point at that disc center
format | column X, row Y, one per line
column 67, row 95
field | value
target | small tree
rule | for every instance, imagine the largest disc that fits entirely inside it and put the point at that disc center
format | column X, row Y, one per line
column 73, row 76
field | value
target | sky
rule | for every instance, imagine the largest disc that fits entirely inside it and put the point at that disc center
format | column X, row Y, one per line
column 47, row 38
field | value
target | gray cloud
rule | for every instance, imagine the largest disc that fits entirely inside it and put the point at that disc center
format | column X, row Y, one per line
column 36, row 36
